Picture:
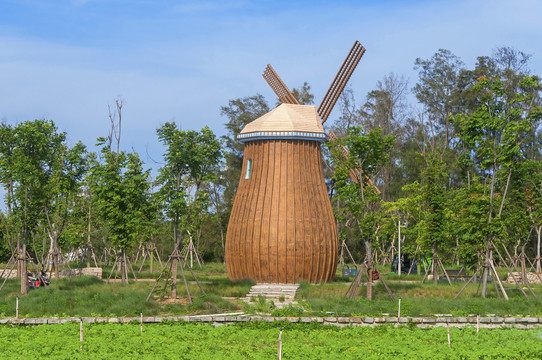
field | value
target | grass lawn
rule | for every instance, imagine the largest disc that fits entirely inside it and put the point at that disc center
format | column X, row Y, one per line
column 89, row 296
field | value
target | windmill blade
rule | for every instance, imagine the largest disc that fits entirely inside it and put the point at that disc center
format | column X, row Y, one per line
column 280, row 89
column 342, row 77
column 355, row 173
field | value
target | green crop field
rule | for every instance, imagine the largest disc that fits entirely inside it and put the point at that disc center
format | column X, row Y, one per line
column 259, row 341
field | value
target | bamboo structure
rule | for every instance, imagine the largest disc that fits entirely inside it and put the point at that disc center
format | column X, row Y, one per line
column 282, row 227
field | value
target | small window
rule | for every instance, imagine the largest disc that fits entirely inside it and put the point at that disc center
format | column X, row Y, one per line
column 249, row 169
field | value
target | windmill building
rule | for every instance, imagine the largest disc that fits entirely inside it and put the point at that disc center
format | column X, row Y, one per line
column 282, row 228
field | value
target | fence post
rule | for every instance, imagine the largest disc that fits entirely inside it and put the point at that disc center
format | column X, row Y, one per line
column 448, row 328
column 280, row 344
column 81, row 333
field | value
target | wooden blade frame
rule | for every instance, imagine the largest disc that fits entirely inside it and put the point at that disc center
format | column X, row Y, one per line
column 342, row 77
column 284, row 95
column 331, row 97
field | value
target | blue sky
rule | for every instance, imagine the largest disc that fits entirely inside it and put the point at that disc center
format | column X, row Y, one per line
column 66, row 60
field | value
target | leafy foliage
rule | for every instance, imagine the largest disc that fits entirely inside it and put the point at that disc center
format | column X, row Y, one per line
column 367, row 153
column 259, row 341
column 122, row 191
column 190, row 160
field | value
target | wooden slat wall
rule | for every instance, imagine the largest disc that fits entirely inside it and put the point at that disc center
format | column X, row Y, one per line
column 282, row 228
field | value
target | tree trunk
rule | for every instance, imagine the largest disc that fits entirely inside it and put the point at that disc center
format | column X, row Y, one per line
column 523, row 265
column 89, row 244
column 516, row 256
column 127, row 267
column 175, row 256
column 53, row 250
column 485, row 273
column 123, row 270
column 434, row 264
column 24, row 276
column 55, row 264
column 538, row 260
column 19, row 263
column 219, row 221
column 173, row 294
column 369, row 257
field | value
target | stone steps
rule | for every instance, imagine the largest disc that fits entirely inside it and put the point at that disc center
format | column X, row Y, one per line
column 532, row 278
column 281, row 294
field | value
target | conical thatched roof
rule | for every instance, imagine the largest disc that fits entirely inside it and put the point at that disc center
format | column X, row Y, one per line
column 286, row 120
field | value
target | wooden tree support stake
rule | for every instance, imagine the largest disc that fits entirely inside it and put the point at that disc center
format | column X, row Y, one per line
column 464, row 286
column 158, row 280
column 425, row 271
column 523, row 278
column 390, row 293
column 445, row 272
column 509, row 271
column 498, row 279
column 197, row 281
column 344, row 246
column 497, row 289
column 185, row 283
column 353, row 288
column 10, row 270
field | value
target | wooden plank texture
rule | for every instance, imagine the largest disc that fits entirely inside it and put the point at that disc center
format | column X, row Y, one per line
column 282, row 227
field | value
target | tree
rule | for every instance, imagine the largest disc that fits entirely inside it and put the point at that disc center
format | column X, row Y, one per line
column 190, row 160
column 386, row 107
column 304, row 95
column 533, row 197
column 121, row 188
column 123, row 200
column 436, row 87
column 350, row 113
column 434, row 202
column 368, row 152
column 62, row 189
column 216, row 196
column 493, row 138
column 408, row 210
column 31, row 156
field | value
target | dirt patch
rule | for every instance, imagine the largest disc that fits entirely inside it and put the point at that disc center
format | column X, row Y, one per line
column 173, row 301
column 136, row 280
